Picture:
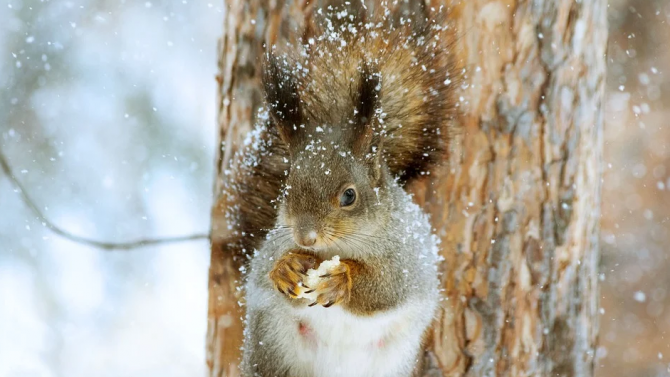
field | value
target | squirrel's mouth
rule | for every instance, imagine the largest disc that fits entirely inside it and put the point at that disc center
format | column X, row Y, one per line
column 313, row 241
column 307, row 238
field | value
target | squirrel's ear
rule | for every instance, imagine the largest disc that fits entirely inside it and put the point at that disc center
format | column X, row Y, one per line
column 366, row 142
column 282, row 98
column 364, row 122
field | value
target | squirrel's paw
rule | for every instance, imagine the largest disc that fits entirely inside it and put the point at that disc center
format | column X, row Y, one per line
column 334, row 286
column 289, row 271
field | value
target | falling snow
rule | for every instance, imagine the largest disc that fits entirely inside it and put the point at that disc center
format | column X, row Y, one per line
column 112, row 132
column 108, row 112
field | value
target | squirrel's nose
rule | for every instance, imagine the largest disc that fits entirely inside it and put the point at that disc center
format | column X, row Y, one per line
column 306, row 239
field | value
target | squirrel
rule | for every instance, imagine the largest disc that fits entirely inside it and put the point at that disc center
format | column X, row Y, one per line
column 346, row 283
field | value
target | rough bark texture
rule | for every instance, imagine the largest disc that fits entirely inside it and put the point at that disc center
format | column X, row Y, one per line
column 517, row 209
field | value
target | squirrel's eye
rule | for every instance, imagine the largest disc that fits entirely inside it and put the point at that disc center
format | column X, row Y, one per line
column 348, row 197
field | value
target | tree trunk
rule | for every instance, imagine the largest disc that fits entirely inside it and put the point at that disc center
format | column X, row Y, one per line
column 517, row 208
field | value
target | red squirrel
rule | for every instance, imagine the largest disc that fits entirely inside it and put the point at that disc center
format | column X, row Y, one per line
column 346, row 283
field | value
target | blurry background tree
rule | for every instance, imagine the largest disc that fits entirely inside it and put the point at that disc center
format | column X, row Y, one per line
column 517, row 211
column 112, row 145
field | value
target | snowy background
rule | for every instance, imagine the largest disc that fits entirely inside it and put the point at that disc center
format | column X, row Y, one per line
column 107, row 115
column 635, row 239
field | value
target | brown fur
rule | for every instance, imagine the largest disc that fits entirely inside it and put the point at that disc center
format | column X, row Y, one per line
column 248, row 199
column 411, row 108
column 408, row 66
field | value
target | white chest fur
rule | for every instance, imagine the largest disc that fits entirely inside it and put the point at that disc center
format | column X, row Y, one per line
column 332, row 342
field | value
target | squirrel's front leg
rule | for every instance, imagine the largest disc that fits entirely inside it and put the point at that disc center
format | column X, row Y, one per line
column 335, row 285
column 363, row 287
column 289, row 271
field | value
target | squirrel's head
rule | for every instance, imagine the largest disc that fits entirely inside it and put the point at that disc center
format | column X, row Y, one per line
column 334, row 197
column 336, row 191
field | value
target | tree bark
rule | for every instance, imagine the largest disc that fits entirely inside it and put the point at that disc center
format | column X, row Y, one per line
column 517, row 208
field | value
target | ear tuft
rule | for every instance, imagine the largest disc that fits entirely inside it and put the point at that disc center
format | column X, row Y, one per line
column 367, row 99
column 368, row 95
column 282, row 97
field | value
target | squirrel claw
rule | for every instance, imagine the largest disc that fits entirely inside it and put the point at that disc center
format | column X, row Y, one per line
column 287, row 276
column 312, row 304
column 335, row 288
column 300, row 271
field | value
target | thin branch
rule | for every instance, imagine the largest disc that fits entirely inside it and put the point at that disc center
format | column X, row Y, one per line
column 83, row 240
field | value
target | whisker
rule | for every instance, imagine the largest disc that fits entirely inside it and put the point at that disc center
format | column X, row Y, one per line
column 332, row 240
column 354, row 246
column 356, row 242
column 367, row 237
